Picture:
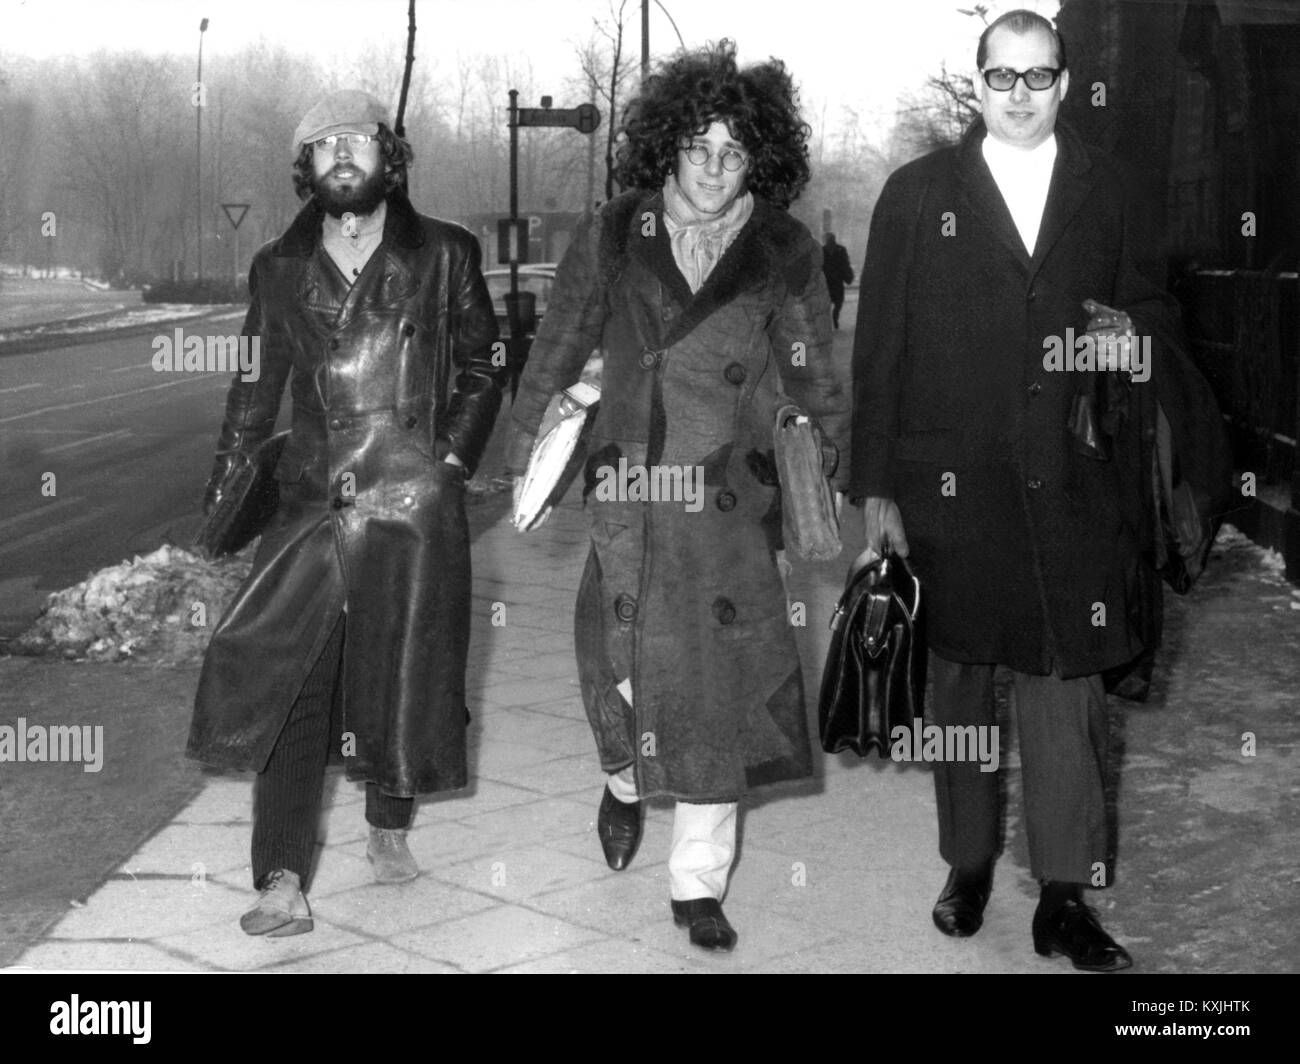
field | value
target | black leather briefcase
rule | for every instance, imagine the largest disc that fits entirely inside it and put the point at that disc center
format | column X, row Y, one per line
column 249, row 498
column 874, row 679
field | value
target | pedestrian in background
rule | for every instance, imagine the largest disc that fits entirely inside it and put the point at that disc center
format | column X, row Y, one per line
column 835, row 265
column 706, row 300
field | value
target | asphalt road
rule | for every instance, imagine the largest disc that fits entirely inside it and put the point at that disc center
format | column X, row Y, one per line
column 129, row 449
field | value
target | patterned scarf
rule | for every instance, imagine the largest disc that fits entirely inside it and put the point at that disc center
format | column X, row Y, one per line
column 699, row 241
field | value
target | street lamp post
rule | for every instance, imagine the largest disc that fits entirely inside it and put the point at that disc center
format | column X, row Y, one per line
column 198, row 149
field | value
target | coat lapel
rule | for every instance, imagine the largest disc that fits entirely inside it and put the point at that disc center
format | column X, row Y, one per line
column 745, row 263
column 1071, row 184
column 984, row 197
column 656, row 253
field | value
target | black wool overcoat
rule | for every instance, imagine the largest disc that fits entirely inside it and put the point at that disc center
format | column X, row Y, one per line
column 387, row 376
column 1030, row 554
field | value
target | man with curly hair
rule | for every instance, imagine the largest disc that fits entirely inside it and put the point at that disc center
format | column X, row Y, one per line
column 707, row 301
column 349, row 638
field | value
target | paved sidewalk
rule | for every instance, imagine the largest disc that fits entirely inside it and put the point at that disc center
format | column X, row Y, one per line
column 835, row 875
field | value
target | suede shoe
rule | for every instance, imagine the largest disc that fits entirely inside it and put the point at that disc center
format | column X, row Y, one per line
column 619, row 826
column 281, row 909
column 1073, row 929
column 959, row 912
column 709, row 927
column 389, row 856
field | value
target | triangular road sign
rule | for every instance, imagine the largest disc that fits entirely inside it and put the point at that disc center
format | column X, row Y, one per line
column 232, row 216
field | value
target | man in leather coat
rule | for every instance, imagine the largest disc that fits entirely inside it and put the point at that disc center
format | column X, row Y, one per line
column 349, row 637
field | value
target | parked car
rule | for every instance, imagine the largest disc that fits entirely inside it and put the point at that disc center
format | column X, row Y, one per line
column 536, row 277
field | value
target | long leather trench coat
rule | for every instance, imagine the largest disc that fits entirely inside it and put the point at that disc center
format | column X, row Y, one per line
column 387, row 377
column 1031, row 554
column 687, row 602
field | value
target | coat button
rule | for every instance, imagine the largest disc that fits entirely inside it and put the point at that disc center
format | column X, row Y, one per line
column 724, row 611
column 338, row 503
column 726, row 501
column 735, row 373
column 1033, row 483
column 1033, row 294
column 625, row 608
column 336, row 423
column 334, row 345
column 411, row 421
column 1035, row 388
column 649, row 358
column 408, row 330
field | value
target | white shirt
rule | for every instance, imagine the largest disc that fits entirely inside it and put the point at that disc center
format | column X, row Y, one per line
column 1023, row 178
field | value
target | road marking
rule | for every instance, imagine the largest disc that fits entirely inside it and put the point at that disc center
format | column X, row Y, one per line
column 140, row 365
column 41, row 510
column 88, row 439
column 20, row 388
column 104, row 398
column 45, row 535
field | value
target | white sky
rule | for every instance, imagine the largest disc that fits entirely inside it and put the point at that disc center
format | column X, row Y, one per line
column 842, row 54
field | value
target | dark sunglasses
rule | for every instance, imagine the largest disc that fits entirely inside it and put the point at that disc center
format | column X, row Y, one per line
column 1003, row 79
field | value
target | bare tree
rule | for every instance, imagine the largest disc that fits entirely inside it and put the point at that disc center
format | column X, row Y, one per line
column 936, row 116
column 17, row 124
column 606, row 74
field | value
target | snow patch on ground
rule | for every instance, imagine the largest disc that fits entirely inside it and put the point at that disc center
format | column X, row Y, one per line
column 159, row 312
column 1271, row 561
column 145, row 609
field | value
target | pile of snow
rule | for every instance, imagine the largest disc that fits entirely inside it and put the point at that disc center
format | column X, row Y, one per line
column 159, row 608
column 153, row 314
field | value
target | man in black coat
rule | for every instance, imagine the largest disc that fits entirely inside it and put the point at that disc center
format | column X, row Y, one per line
column 835, row 265
column 969, row 371
column 349, row 638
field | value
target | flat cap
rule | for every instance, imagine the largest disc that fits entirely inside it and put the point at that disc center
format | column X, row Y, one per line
column 348, row 111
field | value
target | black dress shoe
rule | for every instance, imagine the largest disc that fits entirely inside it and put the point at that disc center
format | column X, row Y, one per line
column 1073, row 929
column 709, row 927
column 619, row 827
column 959, row 912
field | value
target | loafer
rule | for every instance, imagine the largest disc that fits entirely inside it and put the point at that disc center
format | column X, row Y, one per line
column 389, row 856
column 959, row 912
column 1074, row 930
column 708, row 926
column 281, row 909
column 619, row 826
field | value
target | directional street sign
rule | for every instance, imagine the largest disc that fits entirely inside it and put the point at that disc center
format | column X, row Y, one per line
column 584, row 118
column 235, row 212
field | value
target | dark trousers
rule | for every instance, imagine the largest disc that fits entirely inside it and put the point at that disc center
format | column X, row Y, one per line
column 287, row 794
column 1061, row 725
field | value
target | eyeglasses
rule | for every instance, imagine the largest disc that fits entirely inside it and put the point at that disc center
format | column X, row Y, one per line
column 352, row 140
column 1003, row 79
column 699, row 154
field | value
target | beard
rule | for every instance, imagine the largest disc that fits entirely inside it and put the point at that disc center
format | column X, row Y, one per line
column 358, row 196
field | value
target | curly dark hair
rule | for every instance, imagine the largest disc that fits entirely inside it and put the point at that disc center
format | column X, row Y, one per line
column 759, row 104
column 395, row 151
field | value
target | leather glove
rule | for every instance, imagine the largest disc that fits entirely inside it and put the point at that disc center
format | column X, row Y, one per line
column 1112, row 331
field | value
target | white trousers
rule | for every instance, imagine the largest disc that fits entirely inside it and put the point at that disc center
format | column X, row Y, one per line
column 704, row 837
